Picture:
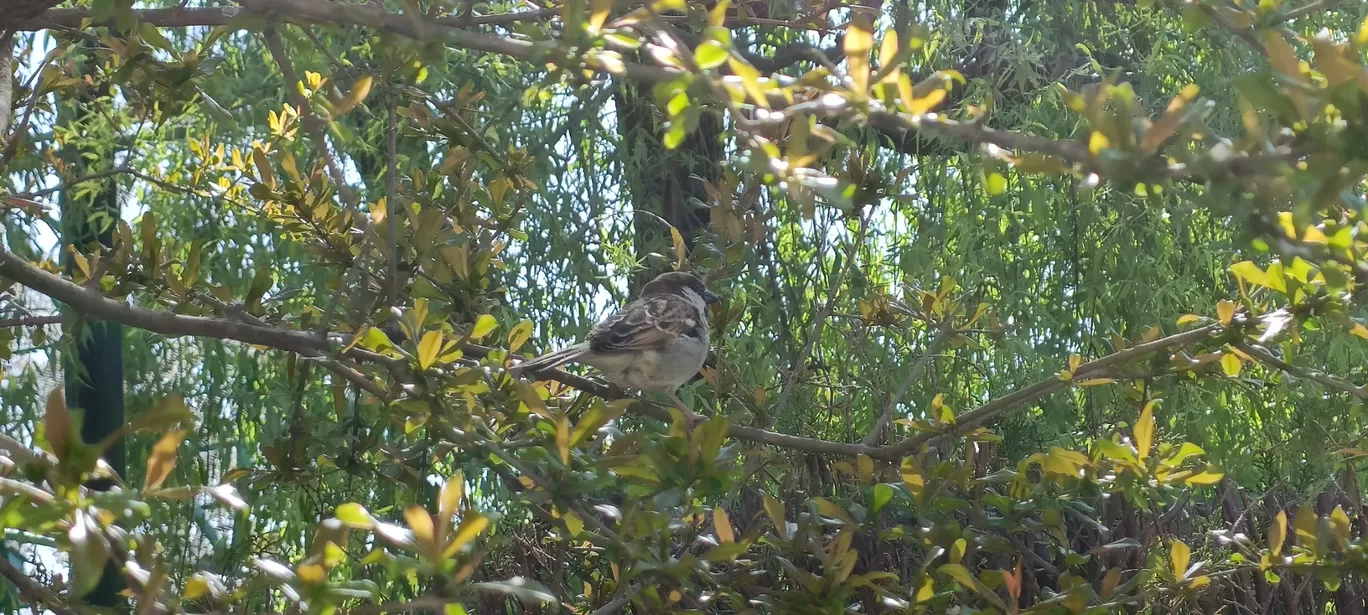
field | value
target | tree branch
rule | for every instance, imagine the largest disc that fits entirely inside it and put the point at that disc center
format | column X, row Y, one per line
column 982, row 415
column 819, row 322
column 943, row 333
column 30, row 321
column 1328, row 381
column 33, row 590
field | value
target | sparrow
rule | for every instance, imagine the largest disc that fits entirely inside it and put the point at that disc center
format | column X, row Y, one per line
column 655, row 343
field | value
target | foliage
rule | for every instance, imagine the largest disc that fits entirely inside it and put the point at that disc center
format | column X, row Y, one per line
column 966, row 252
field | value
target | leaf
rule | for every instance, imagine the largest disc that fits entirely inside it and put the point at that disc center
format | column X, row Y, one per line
column 926, row 590
column 721, row 523
column 1180, row 555
column 750, row 80
column 162, row 459
column 859, row 41
column 1277, row 533
column 598, row 13
column 957, row 550
column 913, row 479
column 429, row 348
column 960, row 574
column 775, row 510
column 563, row 438
column 519, row 335
column 449, row 501
column 358, row 92
column 1098, row 142
column 89, row 552
column 471, row 526
column 57, row 426
column 1144, row 430
column 1251, row 273
column 1225, row 310
column 995, row 183
column 709, row 55
column 1230, row 364
column 679, row 247
column 420, row 523
column 484, row 325
column 519, row 587
column 1187, row 319
column 1339, row 526
column 354, row 515
column 1306, row 524
column 573, row 523
column 1187, row 449
column 1110, row 582
column 882, row 494
column 1205, row 477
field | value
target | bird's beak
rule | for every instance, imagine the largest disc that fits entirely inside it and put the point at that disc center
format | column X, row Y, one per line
column 709, row 298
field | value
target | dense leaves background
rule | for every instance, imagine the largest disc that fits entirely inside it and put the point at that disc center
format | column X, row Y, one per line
column 440, row 184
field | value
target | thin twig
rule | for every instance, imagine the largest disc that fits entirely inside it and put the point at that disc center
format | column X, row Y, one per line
column 30, row 321
column 33, row 590
column 943, row 333
column 1325, row 379
column 819, row 322
column 12, row 145
column 391, row 204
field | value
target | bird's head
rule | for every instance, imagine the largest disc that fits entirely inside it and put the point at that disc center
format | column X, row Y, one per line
column 679, row 283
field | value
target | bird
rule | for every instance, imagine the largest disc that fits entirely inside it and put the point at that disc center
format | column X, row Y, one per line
column 655, row 343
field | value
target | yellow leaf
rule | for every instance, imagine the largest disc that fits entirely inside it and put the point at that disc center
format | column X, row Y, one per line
column 1188, row 319
column 471, row 526
column 1144, row 430
column 573, row 523
column 420, row 522
column 1110, row 582
column 312, row 573
column 960, row 574
column 722, row 524
column 957, row 550
column 449, row 499
column 1361, row 37
column 717, row 16
column 1098, row 142
column 775, row 510
column 197, row 587
column 1250, row 272
column 994, row 183
column 519, row 335
column 1181, row 556
column 912, row 477
column 1205, row 477
column 1230, row 364
column 679, row 247
column 1074, row 361
column 859, row 41
column 1360, row 331
column 57, row 428
column 866, row 465
column 1092, row 382
column 598, row 13
column 926, row 590
column 888, row 49
column 563, row 438
column 162, row 459
column 1306, row 524
column 750, row 80
column 918, row 106
column 483, row 326
column 1339, row 526
column 1225, row 310
column 429, row 348
column 358, row 93
column 1199, row 582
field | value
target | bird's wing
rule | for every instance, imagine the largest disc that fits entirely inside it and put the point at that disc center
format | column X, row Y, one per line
column 646, row 323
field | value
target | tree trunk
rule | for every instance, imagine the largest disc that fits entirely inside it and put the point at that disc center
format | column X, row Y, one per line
column 94, row 366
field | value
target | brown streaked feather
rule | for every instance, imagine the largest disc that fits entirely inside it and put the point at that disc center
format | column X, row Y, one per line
column 649, row 322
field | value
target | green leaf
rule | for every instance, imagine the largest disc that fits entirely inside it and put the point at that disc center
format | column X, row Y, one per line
column 519, row 335
column 882, row 494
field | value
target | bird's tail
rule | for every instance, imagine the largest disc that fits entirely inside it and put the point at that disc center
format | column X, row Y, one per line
column 551, row 359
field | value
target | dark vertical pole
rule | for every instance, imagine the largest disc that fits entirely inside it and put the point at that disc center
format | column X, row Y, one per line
column 93, row 368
